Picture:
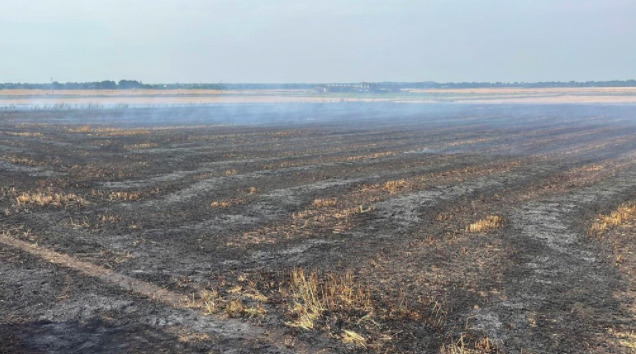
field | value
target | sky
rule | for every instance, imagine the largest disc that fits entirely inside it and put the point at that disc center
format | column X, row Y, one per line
column 160, row 41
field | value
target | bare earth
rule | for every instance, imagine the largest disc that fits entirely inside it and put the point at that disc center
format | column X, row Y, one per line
column 376, row 227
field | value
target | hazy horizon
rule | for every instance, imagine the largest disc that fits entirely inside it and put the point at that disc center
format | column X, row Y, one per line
column 320, row 83
column 317, row 41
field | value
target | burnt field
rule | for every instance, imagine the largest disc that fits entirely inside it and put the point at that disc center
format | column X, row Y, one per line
column 319, row 228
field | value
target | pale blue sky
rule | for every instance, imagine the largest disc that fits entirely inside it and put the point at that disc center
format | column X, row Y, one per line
column 317, row 41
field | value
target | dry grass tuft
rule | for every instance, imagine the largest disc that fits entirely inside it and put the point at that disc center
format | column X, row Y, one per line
column 97, row 222
column 395, row 186
column 465, row 345
column 126, row 196
column 193, row 337
column 326, row 202
column 20, row 160
column 107, row 218
column 227, row 203
column 625, row 212
column 590, row 168
column 626, row 339
column 258, row 311
column 331, row 302
column 235, row 308
column 25, row 134
column 312, row 295
column 351, row 337
column 490, row 223
column 87, row 129
column 140, row 146
column 7, row 192
column 239, row 301
column 220, row 204
column 337, row 219
column 308, row 306
column 337, row 304
column 210, row 301
column 49, row 199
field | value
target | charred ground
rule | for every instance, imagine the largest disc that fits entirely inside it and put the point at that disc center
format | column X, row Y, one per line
column 371, row 227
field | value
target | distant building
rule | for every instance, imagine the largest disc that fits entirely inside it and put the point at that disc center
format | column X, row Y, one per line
column 364, row 87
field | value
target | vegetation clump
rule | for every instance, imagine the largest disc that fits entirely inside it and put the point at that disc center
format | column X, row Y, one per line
column 49, row 199
column 625, row 212
column 492, row 222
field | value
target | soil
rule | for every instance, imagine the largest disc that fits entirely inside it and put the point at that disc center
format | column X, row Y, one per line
column 151, row 210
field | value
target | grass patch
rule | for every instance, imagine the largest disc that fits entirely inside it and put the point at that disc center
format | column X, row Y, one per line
column 337, row 219
column 492, row 222
column 94, row 222
column 353, row 338
column 347, row 309
column 227, row 203
column 238, row 301
column 324, row 202
column 126, row 196
column 140, row 146
column 20, row 160
column 626, row 339
column 25, row 134
column 49, row 199
column 624, row 213
column 108, row 131
column 395, row 186
column 466, row 344
column 337, row 305
column 312, row 296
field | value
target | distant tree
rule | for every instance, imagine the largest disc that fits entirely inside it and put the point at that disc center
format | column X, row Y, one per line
column 129, row 84
column 107, row 85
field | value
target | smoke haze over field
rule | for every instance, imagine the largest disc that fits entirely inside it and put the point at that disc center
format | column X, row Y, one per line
column 317, row 41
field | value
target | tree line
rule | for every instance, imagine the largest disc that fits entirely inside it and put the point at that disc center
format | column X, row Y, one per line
column 134, row 84
column 107, row 85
